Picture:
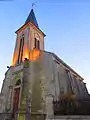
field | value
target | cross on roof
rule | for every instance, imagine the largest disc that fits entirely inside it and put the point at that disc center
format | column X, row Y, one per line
column 33, row 4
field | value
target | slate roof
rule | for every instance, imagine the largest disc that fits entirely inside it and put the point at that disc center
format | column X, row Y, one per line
column 31, row 18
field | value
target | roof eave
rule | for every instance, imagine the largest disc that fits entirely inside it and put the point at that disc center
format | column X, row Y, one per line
column 28, row 24
column 67, row 66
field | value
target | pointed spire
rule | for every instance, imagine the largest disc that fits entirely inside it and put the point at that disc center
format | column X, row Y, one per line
column 31, row 18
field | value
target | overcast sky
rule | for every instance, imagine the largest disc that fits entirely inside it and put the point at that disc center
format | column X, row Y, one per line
column 66, row 24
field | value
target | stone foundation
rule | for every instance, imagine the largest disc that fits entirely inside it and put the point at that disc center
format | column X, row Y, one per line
column 69, row 118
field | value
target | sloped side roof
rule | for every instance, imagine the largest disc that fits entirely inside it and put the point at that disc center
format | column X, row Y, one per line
column 61, row 61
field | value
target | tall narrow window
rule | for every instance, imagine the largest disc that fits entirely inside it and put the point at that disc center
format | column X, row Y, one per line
column 77, row 87
column 70, row 81
column 38, row 44
column 59, row 83
column 35, row 43
column 21, row 50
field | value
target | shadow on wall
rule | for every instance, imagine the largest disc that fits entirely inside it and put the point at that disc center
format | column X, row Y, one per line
column 72, row 107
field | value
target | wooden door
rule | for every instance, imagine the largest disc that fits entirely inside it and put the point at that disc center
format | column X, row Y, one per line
column 16, row 100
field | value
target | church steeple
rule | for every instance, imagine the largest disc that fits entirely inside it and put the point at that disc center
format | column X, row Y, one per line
column 29, row 38
column 31, row 18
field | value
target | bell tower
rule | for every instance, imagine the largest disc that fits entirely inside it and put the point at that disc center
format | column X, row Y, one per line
column 29, row 37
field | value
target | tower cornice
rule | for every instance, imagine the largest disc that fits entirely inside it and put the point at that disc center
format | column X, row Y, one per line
column 27, row 24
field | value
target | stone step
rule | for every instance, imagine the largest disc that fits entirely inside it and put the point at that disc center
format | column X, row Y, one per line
column 79, row 117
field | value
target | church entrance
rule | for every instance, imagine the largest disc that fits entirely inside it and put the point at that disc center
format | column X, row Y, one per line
column 16, row 100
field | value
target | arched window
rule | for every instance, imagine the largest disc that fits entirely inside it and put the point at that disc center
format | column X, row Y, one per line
column 37, row 44
column 18, row 82
column 21, row 49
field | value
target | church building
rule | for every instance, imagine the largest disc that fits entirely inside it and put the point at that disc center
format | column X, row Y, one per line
column 37, row 79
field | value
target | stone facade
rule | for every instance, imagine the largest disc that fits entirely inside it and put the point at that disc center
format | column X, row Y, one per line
column 40, row 79
column 29, row 32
